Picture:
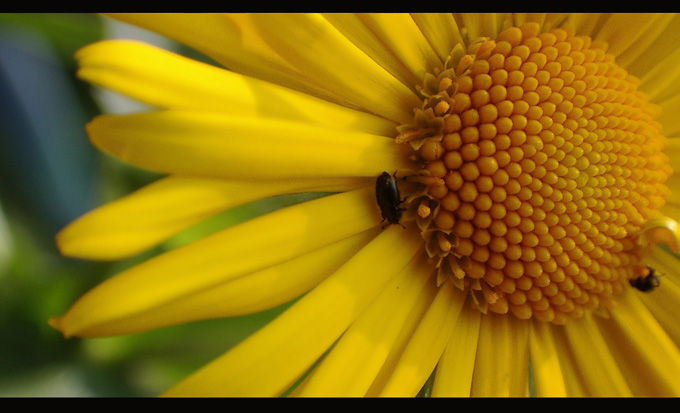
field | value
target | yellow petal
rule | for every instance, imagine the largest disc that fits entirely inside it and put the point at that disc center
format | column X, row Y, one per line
column 647, row 357
column 441, row 30
column 667, row 118
column 167, row 80
column 266, row 46
column 672, row 206
column 405, row 41
column 481, row 24
column 661, row 82
column 425, row 347
column 258, row 291
column 501, row 366
column 643, row 56
column 227, row 255
column 354, row 28
column 230, row 40
column 270, row 360
column 208, row 144
column 331, row 60
column 569, row 364
column 546, row 21
column 548, row 377
column 154, row 213
column 454, row 372
column 661, row 229
column 663, row 303
column 585, row 24
column 629, row 33
column 353, row 363
column 601, row 376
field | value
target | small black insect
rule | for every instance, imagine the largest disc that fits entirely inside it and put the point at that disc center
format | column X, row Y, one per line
column 389, row 200
column 647, row 282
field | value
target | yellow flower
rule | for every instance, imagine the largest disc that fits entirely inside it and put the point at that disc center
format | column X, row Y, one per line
column 531, row 156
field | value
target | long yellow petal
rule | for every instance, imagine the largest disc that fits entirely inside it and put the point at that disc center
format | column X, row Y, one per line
column 332, row 61
column 409, row 326
column 647, row 357
column 546, row 21
column 163, row 79
column 270, row 360
column 586, row 24
column 575, row 384
column 441, row 30
column 667, row 118
column 353, row 363
column 230, row 40
column 403, row 38
column 643, row 56
column 599, row 370
column 483, row 24
column 227, row 255
column 354, row 28
column 208, row 144
column 626, row 31
column 258, row 291
column 548, row 377
column 159, row 210
column 502, row 363
column 454, row 372
column 425, row 347
column 661, row 82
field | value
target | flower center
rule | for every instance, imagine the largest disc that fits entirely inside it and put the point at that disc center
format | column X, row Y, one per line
column 541, row 161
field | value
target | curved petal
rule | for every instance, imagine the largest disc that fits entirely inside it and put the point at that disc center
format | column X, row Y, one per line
column 353, row 363
column 658, row 230
column 213, row 145
column 270, row 360
column 548, row 377
column 227, row 255
column 167, row 80
column 454, row 372
column 159, row 210
column 647, row 357
column 502, row 363
column 425, row 347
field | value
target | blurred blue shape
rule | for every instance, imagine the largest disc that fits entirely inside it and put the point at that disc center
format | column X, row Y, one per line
column 47, row 166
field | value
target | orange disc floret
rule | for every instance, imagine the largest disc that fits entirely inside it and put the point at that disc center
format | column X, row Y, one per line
column 551, row 162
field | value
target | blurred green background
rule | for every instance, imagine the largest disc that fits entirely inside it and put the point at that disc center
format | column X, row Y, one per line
column 50, row 175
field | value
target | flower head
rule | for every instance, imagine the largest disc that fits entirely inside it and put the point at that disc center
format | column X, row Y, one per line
column 525, row 158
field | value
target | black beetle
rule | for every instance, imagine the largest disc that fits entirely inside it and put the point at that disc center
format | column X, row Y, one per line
column 646, row 283
column 389, row 200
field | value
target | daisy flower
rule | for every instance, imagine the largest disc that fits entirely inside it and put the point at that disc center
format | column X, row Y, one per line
column 502, row 211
